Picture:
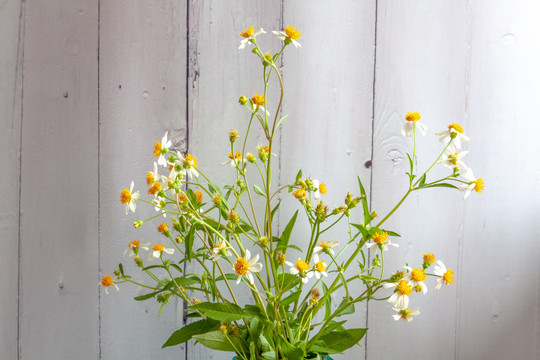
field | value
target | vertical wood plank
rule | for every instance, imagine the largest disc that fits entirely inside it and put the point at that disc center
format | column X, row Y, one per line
column 499, row 272
column 11, row 40
column 329, row 90
column 142, row 95
column 421, row 66
column 59, row 203
column 219, row 74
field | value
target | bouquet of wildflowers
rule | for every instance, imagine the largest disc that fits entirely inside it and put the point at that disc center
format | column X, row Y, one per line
column 235, row 249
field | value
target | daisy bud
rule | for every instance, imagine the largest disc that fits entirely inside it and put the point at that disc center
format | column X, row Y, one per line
column 233, row 135
column 397, row 276
column 233, row 217
column 117, row 272
column 373, row 215
column 280, row 257
column 268, row 56
column 235, row 330
column 179, row 239
column 243, row 100
column 164, row 229
column 172, row 158
column 161, row 193
column 250, row 157
column 263, row 240
column 138, row 261
column 137, row 224
column 376, row 262
column 241, row 184
column 176, row 224
column 223, row 329
column 195, row 301
column 216, row 199
column 428, row 260
column 339, row 210
column 347, row 213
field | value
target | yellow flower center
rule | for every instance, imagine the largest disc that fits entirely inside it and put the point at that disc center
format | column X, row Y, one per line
column 156, row 186
column 182, row 197
column 237, row 156
column 456, row 127
column 150, row 178
column 322, row 188
column 453, row 158
column 479, row 185
column 300, row 193
column 191, row 161
column 412, row 116
column 404, row 313
column 198, row 194
column 429, row 258
column 324, row 244
column 218, row 245
column 292, row 33
column 380, row 237
column 125, row 196
column 162, row 228
column 320, row 266
column 403, row 288
column 107, row 281
column 134, row 244
column 157, row 149
column 158, row 247
column 241, row 266
column 417, row 274
column 258, row 100
column 248, row 32
column 301, row 265
column 448, row 277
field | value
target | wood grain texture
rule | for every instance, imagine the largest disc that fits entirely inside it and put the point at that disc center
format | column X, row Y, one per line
column 421, row 66
column 59, row 204
column 142, row 95
column 499, row 269
column 329, row 91
column 11, row 40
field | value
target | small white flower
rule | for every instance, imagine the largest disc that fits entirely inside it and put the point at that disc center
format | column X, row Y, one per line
column 405, row 314
column 169, row 180
column 453, row 158
column 157, row 205
column 380, row 240
column 159, row 147
column 189, row 165
column 218, row 250
column 446, row 275
column 289, row 34
column 300, row 268
column 413, row 121
column 245, row 266
column 325, row 246
column 234, row 160
column 248, row 35
column 473, row 185
column 134, row 246
column 320, row 188
column 158, row 249
column 400, row 298
column 108, row 281
column 455, row 131
column 128, row 197
column 416, row 278
column 319, row 268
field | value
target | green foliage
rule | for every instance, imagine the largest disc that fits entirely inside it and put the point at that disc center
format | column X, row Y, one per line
column 187, row 332
column 221, row 312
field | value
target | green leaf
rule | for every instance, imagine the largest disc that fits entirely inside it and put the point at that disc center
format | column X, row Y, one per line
column 269, row 355
column 290, row 351
column 275, row 209
column 365, row 207
column 410, row 164
column 188, row 331
column 320, row 348
column 328, row 302
column 258, row 190
column 280, row 120
column 288, row 281
column 121, row 268
column 191, row 197
column 188, row 241
column 289, row 299
column 334, row 325
column 441, row 185
column 286, row 234
column 228, row 276
column 299, row 175
column 422, row 180
column 342, row 340
column 216, row 340
column 147, row 296
column 348, row 310
column 221, row 312
column 362, row 229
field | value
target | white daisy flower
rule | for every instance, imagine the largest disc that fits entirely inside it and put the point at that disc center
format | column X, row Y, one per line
column 157, row 205
column 245, row 266
column 319, row 268
column 152, row 176
column 380, row 241
column 289, row 35
column 320, row 188
column 169, row 180
column 128, row 197
column 325, row 246
column 416, row 278
column 158, row 249
column 248, row 35
column 234, row 160
column 161, row 148
column 455, row 131
column 218, row 250
column 413, row 121
column 453, row 158
column 473, row 185
column 108, row 281
column 405, row 314
column 400, row 298
column 134, row 246
column 446, row 275
column 189, row 165
column 300, row 268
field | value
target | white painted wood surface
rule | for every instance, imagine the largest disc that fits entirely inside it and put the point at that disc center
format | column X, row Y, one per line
column 98, row 82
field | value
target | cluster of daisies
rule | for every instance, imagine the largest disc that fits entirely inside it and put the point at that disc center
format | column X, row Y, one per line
column 452, row 156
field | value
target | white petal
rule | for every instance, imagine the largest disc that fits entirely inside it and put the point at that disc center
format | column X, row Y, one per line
column 255, row 267
column 254, row 259
column 239, row 279
column 247, row 256
column 250, row 277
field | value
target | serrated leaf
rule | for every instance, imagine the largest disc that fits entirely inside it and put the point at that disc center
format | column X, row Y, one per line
column 348, row 310
column 342, row 340
column 187, row 332
column 147, row 296
column 221, row 312
column 290, row 351
column 391, row 233
column 258, row 190
column 362, row 229
column 328, row 302
column 289, row 299
column 288, row 281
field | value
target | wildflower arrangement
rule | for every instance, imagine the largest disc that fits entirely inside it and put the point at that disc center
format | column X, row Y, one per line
column 237, row 250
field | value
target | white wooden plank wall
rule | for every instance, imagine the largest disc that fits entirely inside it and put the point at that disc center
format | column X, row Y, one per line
column 89, row 86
